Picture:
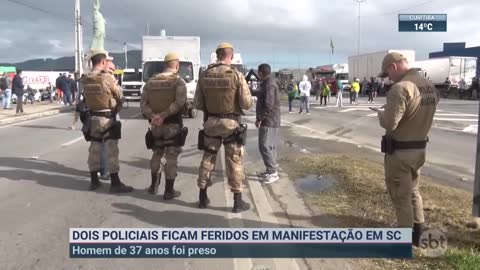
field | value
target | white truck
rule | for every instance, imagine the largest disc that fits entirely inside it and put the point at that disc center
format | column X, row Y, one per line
column 132, row 83
column 370, row 64
column 454, row 68
column 237, row 62
column 154, row 49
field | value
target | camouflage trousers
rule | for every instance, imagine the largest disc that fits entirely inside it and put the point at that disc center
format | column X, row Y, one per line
column 216, row 128
column 161, row 149
column 402, row 175
column 98, row 126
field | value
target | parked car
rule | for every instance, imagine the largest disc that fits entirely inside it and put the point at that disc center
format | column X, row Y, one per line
column 45, row 95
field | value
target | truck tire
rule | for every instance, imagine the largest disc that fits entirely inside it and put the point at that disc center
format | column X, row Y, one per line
column 192, row 113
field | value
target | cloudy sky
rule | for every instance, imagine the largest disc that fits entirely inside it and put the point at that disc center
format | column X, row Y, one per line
column 284, row 33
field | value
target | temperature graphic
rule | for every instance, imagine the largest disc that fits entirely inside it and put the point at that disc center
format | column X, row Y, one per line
column 422, row 22
column 423, row 26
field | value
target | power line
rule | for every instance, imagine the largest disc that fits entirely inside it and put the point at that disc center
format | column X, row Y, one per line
column 63, row 16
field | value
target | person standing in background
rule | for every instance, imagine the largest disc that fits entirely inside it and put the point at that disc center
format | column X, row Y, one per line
column 381, row 87
column 58, row 85
column 339, row 93
column 305, row 88
column 68, row 88
column 364, row 87
column 8, row 101
column 462, row 86
column 355, row 91
column 51, row 90
column 475, row 86
column 6, row 92
column 18, row 90
column 371, row 89
column 292, row 90
column 325, row 92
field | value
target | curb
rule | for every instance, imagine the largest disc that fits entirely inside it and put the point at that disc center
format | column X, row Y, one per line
column 11, row 120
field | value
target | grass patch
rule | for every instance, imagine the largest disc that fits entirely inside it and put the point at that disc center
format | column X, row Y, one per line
column 359, row 199
column 463, row 259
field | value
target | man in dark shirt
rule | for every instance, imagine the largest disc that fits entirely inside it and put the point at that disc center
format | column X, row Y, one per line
column 18, row 86
column 268, row 122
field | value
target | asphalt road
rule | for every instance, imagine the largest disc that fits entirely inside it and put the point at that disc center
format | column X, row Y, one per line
column 43, row 193
column 44, row 182
column 450, row 152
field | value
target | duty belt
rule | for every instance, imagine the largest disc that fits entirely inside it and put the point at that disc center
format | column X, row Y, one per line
column 103, row 114
column 231, row 116
column 410, row 145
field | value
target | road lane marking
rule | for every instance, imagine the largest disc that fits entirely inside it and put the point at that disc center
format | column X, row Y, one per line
column 324, row 136
column 456, row 119
column 72, row 141
column 14, row 124
column 456, row 114
column 136, row 115
column 355, row 109
column 471, row 129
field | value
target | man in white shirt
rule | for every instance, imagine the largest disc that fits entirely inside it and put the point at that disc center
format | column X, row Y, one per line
column 305, row 86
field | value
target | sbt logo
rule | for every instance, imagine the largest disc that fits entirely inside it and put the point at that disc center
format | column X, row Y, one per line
column 433, row 243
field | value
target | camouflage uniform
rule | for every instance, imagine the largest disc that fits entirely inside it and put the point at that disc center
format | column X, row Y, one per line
column 165, row 94
column 218, row 128
column 103, row 96
column 407, row 119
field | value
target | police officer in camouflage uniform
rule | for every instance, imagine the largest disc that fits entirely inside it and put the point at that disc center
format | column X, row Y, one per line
column 104, row 98
column 407, row 119
column 222, row 93
column 163, row 98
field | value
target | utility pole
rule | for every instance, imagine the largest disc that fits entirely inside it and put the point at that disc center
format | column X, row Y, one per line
column 78, row 40
column 476, row 183
column 126, row 52
column 357, row 63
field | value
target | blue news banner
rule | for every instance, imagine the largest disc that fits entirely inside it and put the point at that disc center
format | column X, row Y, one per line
column 240, row 243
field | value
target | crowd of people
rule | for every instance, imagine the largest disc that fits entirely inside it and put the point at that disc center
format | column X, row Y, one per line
column 64, row 91
column 324, row 90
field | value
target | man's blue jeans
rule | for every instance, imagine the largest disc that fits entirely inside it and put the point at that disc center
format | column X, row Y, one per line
column 67, row 98
column 7, row 98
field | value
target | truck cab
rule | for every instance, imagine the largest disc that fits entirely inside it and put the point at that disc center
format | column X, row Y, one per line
column 188, row 72
column 132, row 83
column 343, row 77
column 320, row 75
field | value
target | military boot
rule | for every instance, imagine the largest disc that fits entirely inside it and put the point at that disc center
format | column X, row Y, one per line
column 94, row 182
column 153, row 189
column 170, row 192
column 117, row 186
column 417, row 233
column 239, row 205
column 204, row 201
